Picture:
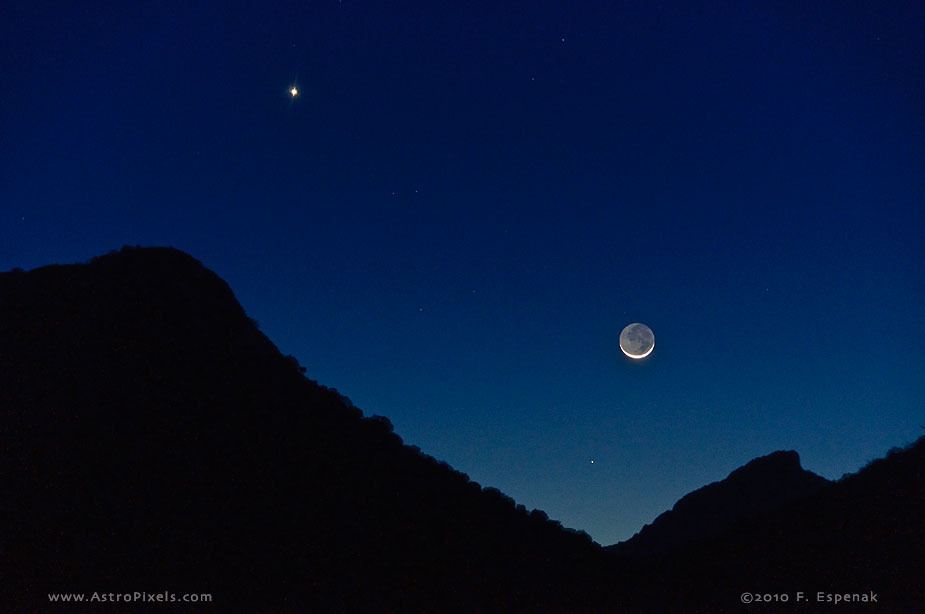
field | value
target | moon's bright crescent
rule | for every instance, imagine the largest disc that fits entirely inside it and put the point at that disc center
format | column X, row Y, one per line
column 639, row 355
column 637, row 341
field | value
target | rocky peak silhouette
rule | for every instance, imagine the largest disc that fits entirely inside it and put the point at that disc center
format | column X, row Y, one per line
column 758, row 488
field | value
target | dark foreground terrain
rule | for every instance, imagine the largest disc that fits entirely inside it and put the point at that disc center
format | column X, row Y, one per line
column 153, row 439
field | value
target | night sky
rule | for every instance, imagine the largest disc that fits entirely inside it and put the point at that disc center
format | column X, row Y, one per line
column 467, row 202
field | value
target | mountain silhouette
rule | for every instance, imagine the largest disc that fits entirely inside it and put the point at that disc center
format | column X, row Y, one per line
column 862, row 535
column 760, row 487
column 153, row 439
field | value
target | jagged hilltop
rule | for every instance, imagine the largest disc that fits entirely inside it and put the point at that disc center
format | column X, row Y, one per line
column 759, row 488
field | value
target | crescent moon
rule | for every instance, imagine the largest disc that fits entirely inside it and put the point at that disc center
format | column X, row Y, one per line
column 637, row 341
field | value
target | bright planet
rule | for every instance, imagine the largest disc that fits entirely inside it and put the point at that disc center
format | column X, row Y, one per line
column 637, row 340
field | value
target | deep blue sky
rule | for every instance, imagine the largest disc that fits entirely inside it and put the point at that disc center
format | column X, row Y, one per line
column 469, row 200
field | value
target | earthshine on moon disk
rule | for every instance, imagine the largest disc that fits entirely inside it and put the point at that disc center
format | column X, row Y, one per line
column 637, row 340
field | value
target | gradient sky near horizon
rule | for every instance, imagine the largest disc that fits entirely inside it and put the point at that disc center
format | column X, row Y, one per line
column 468, row 201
